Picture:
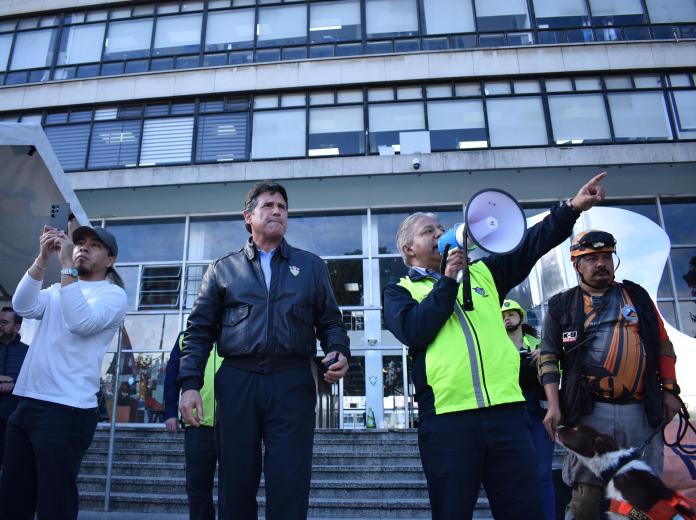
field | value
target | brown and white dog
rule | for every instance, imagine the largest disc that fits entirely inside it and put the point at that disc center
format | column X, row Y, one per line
column 633, row 490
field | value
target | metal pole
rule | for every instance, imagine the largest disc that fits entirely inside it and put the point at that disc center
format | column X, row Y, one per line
column 112, row 429
column 404, row 373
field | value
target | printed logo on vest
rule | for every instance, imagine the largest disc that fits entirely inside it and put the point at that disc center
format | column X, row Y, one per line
column 294, row 270
column 569, row 337
column 480, row 292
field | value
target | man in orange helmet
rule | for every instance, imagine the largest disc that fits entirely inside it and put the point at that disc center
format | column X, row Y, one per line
column 618, row 365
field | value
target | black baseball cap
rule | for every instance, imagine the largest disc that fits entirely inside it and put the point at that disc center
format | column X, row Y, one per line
column 102, row 234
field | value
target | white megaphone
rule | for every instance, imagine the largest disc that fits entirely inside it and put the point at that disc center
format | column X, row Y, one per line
column 493, row 221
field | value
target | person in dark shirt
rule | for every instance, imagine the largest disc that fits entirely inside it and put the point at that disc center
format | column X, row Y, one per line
column 12, row 352
column 199, row 443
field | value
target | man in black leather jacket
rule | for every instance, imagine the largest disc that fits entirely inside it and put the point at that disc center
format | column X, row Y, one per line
column 265, row 306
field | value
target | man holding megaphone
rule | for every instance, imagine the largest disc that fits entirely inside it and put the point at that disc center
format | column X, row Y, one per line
column 465, row 369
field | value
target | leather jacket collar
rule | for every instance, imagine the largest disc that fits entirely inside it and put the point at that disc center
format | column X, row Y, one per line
column 251, row 251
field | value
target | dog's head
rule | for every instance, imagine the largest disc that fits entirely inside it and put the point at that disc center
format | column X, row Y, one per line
column 597, row 451
column 586, row 441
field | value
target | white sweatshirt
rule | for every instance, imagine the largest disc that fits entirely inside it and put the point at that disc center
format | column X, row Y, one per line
column 78, row 321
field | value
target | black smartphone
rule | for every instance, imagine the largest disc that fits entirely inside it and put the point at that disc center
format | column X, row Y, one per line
column 60, row 212
column 329, row 363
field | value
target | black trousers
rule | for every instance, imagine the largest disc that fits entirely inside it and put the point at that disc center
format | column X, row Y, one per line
column 278, row 409
column 44, row 446
column 3, row 427
column 199, row 448
column 492, row 446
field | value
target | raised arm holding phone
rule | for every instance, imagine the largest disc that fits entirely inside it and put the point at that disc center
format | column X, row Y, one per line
column 54, row 422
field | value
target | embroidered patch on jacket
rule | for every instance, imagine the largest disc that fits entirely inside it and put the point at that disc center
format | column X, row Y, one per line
column 569, row 337
column 480, row 291
column 294, row 270
column 629, row 313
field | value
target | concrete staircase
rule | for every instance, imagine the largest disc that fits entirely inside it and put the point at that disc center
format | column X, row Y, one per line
column 355, row 474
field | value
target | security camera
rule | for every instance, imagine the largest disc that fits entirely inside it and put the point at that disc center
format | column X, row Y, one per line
column 416, row 164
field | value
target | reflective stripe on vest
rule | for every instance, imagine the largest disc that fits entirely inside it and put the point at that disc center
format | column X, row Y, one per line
column 473, row 355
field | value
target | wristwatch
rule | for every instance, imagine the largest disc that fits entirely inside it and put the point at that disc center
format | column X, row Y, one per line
column 567, row 203
column 69, row 271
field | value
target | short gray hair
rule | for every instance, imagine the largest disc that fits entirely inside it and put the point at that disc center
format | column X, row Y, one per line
column 404, row 235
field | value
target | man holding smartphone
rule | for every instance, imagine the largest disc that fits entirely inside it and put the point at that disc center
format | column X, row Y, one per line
column 54, row 422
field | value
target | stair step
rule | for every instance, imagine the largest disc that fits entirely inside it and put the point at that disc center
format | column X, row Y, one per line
column 318, row 507
column 339, row 489
column 372, row 474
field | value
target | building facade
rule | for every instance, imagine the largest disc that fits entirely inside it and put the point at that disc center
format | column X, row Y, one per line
column 163, row 114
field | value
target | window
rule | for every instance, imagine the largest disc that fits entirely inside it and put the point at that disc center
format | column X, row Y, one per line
column 128, row 39
column 617, row 12
column 278, row 133
column 69, row 142
column 286, row 25
column 448, row 16
column 679, row 217
column 81, row 44
column 388, row 120
column 167, row 141
column 129, row 275
column 327, row 234
column 178, row 34
column 639, row 116
column 391, row 17
column 667, row 11
column 551, row 14
column 159, row 288
column 229, row 30
column 5, row 44
column 336, row 131
column 647, row 80
column 684, row 263
column 618, row 82
column 456, row 125
column 347, row 281
column 211, row 238
column 334, row 21
column 516, row 121
column 149, row 241
column 684, row 104
column 579, row 119
column 194, row 277
column 33, row 49
column 222, row 137
column 501, row 15
column 114, row 143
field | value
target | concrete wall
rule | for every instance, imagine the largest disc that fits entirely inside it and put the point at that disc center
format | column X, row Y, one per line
column 396, row 190
column 17, row 7
column 598, row 157
column 357, row 71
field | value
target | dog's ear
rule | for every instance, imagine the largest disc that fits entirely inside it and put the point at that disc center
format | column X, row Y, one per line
column 604, row 444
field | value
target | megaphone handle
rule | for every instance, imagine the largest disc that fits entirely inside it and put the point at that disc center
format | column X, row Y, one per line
column 468, row 303
column 443, row 259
